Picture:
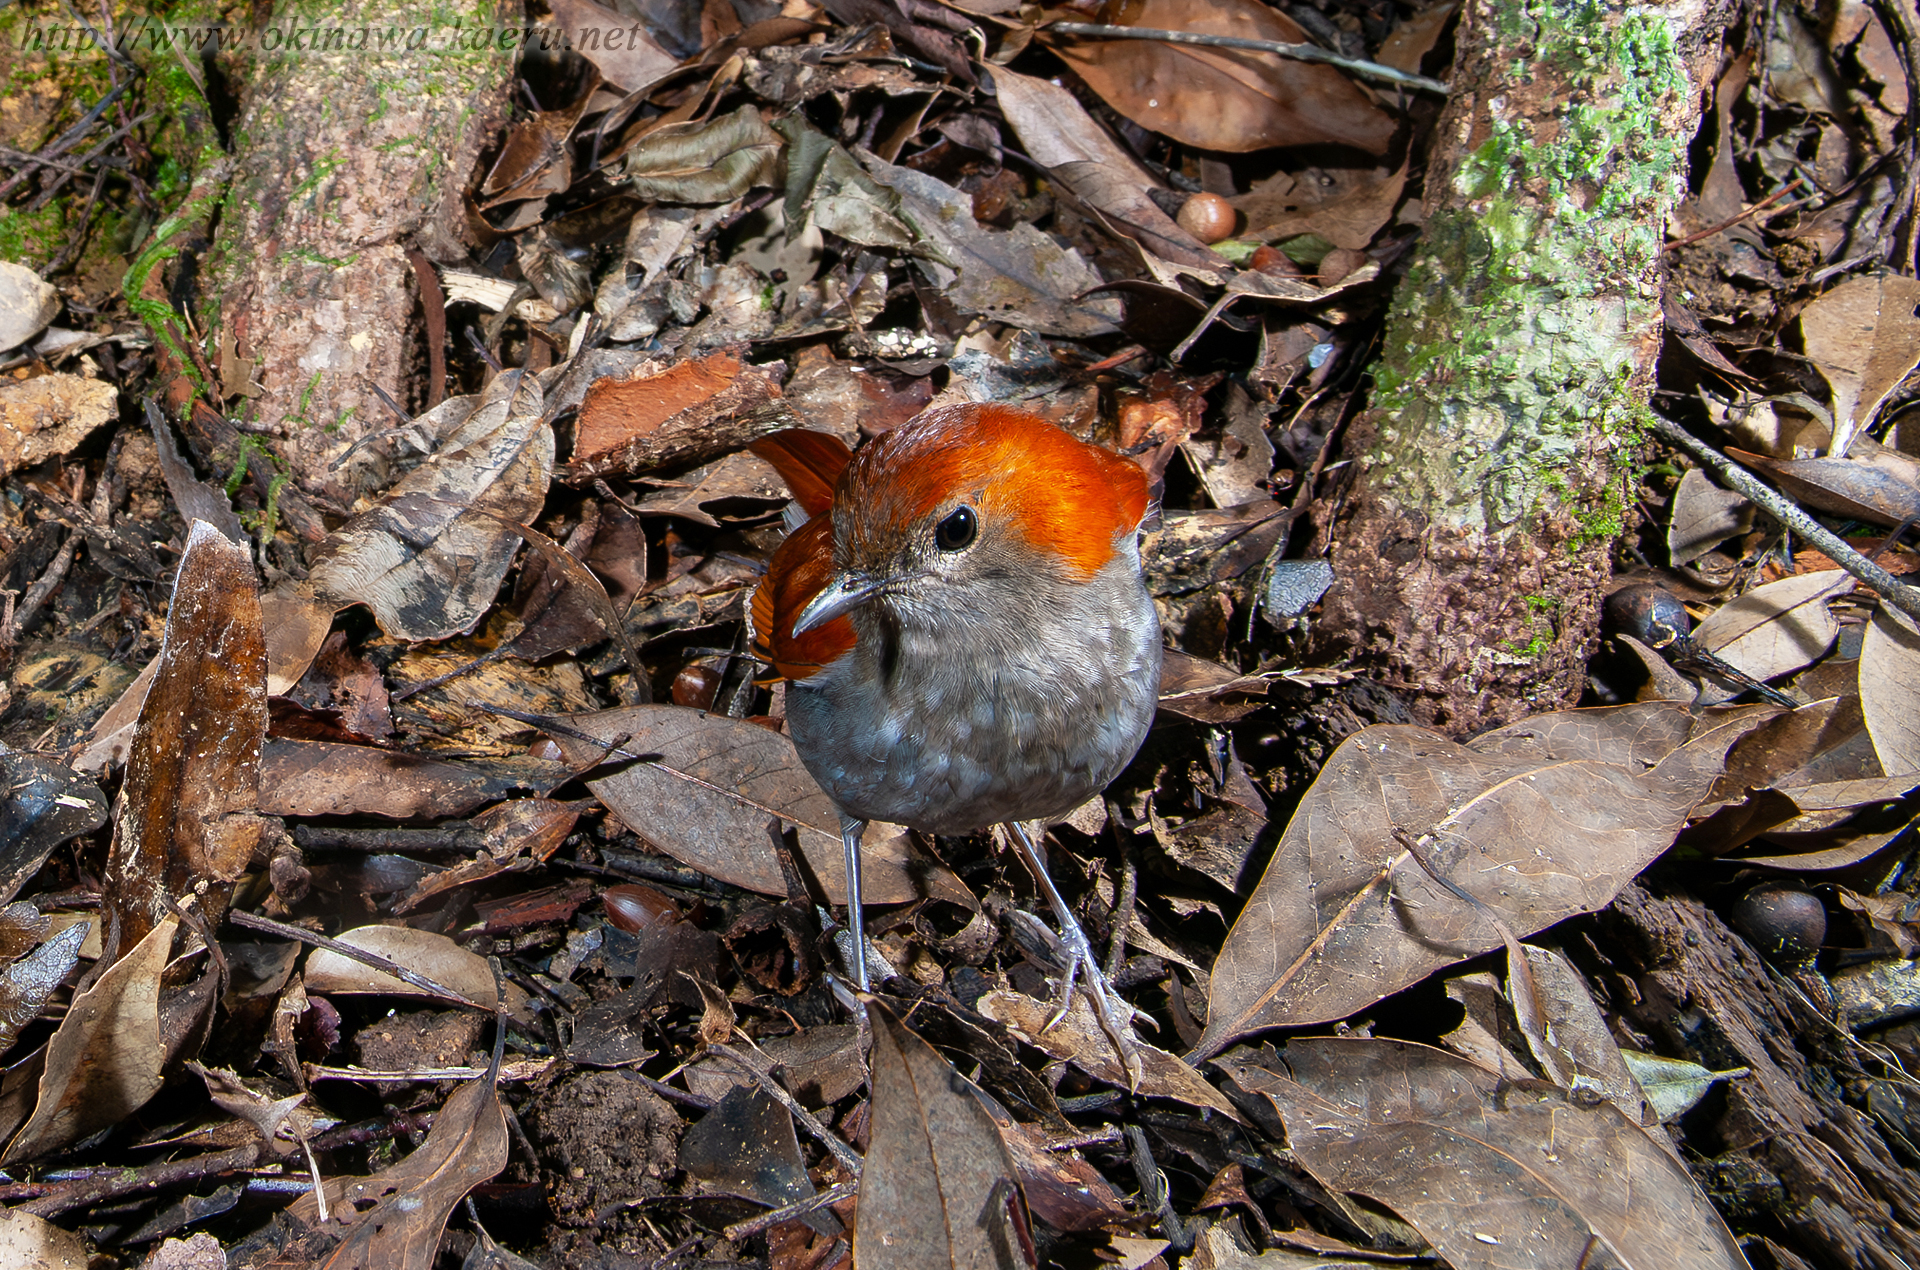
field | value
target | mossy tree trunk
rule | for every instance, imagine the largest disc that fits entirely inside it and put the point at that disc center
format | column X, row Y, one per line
column 360, row 125
column 1497, row 458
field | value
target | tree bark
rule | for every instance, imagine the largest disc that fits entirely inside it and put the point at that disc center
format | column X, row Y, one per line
column 347, row 154
column 1496, row 458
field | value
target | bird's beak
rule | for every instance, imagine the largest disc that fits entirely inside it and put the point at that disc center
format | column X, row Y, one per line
column 846, row 592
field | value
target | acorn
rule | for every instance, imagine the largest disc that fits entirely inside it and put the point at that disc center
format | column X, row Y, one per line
column 1208, row 217
column 1785, row 922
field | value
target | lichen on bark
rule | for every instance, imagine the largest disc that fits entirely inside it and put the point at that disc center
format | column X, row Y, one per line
column 1496, row 456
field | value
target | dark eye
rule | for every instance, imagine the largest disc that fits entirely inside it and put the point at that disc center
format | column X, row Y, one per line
column 957, row 530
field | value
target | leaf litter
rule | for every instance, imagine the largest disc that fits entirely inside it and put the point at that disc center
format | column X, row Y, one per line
column 407, row 722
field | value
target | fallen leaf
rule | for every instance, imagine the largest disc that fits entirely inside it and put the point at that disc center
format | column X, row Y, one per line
column 187, row 817
column 938, row 1187
column 1492, row 1174
column 711, row 785
column 424, row 564
column 1777, row 628
column 618, row 45
column 1224, row 99
column 34, row 1243
column 422, row 951
column 1079, row 1039
column 1864, row 336
column 1673, row 1085
column 45, row 803
column 393, row 1220
column 105, row 1060
column 48, row 416
column 1890, row 689
column 1019, row 276
column 1539, row 820
column 326, row 778
column 1704, row 516
column 711, row 162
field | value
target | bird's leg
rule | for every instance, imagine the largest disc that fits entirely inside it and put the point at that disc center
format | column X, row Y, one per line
column 851, row 831
column 1115, row 1015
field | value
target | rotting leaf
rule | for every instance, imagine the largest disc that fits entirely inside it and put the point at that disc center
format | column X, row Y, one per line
column 687, row 412
column 46, row 803
column 30, row 982
column 1890, row 689
column 419, row 559
column 1492, row 1174
column 1879, row 486
column 187, row 817
column 710, row 786
column 1224, row 99
column 746, row 1146
column 1540, row 820
column 1864, row 336
column 105, row 1060
column 938, row 1187
column 1079, row 1039
column 1018, row 276
column 326, row 778
column 393, row 1220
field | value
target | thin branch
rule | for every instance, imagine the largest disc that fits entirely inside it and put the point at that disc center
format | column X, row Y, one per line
column 1298, row 52
column 1788, row 513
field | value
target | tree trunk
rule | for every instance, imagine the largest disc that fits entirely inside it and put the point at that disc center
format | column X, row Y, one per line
column 347, row 153
column 1496, row 460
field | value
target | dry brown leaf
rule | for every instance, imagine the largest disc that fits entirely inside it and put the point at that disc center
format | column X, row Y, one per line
column 1057, row 133
column 105, row 1060
column 427, row 567
column 1493, row 1175
column 714, row 786
column 325, row 778
column 193, row 778
column 1864, row 336
column 393, row 1220
column 618, row 46
column 1890, row 689
column 34, row 1243
column 938, row 1187
column 1539, row 820
column 1877, row 485
column 1224, row 99
column 422, row 951
column 1777, row 628
column 713, row 161
column 689, row 413
column 1704, row 516
column 1079, row 1039
column 1352, row 219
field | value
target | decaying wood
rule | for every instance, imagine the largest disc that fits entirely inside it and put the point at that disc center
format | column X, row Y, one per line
column 1793, row 1148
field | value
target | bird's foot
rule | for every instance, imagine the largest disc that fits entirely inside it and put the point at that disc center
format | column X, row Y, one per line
column 1114, row 1013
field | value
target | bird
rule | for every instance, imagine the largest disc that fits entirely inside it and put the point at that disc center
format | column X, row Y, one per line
column 966, row 636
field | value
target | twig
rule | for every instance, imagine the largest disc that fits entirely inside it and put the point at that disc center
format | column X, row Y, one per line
column 267, row 925
column 1299, row 52
column 1788, row 513
column 110, row 1183
column 1731, row 221
column 45, row 585
column 848, row 1157
column 774, row 1217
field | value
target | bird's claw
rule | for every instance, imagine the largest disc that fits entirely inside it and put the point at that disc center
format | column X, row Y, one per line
column 1115, row 1013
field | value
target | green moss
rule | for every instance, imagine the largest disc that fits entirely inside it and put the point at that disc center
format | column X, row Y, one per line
column 1510, row 360
column 32, row 238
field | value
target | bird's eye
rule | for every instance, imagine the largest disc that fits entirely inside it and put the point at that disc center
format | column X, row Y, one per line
column 957, row 530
